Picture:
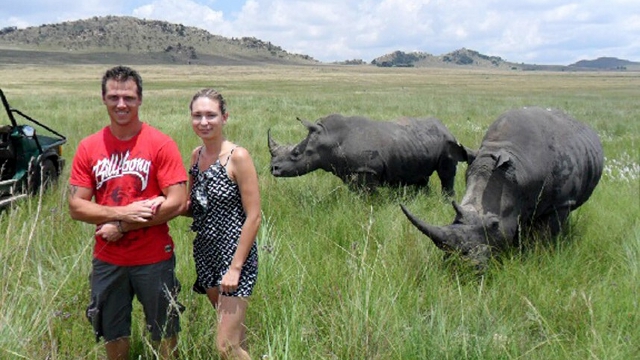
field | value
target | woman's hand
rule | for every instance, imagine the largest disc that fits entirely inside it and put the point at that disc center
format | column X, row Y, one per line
column 230, row 280
column 153, row 203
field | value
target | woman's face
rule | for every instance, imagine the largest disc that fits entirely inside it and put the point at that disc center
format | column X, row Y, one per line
column 206, row 118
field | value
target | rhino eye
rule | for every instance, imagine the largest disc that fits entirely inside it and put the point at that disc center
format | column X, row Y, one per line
column 295, row 154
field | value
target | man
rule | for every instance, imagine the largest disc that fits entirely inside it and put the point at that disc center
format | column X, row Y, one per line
column 136, row 176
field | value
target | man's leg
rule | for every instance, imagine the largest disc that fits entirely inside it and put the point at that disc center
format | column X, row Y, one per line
column 157, row 290
column 168, row 348
column 118, row 349
column 110, row 308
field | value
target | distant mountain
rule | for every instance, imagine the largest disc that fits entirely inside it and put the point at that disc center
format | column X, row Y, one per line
column 471, row 58
column 458, row 58
column 461, row 57
column 128, row 39
column 607, row 63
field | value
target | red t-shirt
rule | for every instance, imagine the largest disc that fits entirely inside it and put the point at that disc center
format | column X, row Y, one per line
column 121, row 172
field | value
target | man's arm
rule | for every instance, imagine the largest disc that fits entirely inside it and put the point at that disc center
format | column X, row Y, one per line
column 82, row 208
column 194, row 158
column 174, row 205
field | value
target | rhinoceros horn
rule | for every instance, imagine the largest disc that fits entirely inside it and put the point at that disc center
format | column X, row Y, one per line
column 274, row 148
column 435, row 233
column 460, row 212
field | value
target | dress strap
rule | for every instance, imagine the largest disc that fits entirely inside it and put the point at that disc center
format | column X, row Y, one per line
column 229, row 157
column 198, row 157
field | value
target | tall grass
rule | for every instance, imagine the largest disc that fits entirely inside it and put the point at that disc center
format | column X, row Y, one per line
column 344, row 275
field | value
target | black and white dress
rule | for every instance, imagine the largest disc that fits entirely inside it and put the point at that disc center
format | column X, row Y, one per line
column 218, row 217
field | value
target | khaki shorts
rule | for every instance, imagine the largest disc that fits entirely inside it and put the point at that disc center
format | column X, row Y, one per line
column 113, row 289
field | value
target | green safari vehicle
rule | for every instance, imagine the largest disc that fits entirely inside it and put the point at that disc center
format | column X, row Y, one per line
column 29, row 161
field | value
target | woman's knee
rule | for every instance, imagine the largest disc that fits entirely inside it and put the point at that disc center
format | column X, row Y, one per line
column 229, row 350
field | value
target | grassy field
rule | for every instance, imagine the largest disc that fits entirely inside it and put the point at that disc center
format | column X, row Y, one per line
column 344, row 275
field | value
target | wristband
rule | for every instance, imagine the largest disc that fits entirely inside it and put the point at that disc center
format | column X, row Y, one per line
column 119, row 225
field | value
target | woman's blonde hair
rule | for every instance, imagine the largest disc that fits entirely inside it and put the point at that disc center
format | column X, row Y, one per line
column 211, row 94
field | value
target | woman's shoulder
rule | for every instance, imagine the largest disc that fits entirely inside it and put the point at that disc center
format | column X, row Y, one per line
column 239, row 159
column 238, row 152
column 195, row 153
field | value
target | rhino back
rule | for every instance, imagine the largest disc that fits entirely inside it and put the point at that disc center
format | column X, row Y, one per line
column 558, row 159
column 424, row 148
column 403, row 151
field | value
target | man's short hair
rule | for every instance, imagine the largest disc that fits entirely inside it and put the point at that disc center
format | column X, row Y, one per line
column 122, row 73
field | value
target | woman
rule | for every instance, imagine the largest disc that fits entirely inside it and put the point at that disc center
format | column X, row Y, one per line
column 225, row 206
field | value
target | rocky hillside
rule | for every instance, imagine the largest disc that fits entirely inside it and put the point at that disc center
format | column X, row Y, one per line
column 470, row 58
column 461, row 57
column 124, row 39
column 607, row 63
column 135, row 40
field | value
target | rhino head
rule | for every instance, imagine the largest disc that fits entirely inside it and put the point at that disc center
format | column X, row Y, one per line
column 300, row 159
column 488, row 218
column 471, row 234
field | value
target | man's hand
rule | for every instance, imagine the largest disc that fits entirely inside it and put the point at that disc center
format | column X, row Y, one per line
column 109, row 231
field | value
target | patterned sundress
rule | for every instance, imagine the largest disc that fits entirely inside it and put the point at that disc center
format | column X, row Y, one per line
column 218, row 217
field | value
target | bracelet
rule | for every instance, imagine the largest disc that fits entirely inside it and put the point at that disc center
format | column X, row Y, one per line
column 119, row 225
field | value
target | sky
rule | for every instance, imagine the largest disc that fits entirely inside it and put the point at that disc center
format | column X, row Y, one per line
column 543, row 32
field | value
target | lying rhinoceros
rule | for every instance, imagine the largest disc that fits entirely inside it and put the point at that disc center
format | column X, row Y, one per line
column 366, row 153
column 533, row 167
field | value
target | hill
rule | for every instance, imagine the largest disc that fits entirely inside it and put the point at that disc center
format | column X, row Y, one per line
column 123, row 39
column 461, row 57
column 471, row 58
column 610, row 63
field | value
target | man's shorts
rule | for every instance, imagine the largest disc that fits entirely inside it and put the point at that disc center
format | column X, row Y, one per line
column 113, row 289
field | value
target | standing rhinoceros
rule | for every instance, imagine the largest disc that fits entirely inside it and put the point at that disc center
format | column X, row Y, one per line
column 366, row 153
column 533, row 167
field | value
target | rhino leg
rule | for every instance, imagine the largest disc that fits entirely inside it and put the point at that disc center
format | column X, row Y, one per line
column 447, row 174
column 366, row 180
column 553, row 222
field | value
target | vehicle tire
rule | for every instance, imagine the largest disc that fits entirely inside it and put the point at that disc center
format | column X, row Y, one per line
column 49, row 172
column 46, row 174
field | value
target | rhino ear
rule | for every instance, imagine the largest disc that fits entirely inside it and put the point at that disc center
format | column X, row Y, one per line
column 460, row 152
column 309, row 125
column 471, row 155
column 502, row 158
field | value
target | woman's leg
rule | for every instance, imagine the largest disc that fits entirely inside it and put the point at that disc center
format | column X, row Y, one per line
column 213, row 294
column 231, row 329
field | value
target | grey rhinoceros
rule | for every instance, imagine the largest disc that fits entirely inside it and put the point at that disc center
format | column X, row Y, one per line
column 366, row 153
column 534, row 166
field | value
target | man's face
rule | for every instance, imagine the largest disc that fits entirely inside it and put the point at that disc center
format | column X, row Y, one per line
column 122, row 101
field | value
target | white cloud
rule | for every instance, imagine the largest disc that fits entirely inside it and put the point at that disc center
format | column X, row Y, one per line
column 24, row 13
column 539, row 31
column 181, row 11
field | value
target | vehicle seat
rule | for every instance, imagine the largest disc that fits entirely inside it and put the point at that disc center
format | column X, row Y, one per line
column 7, row 155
